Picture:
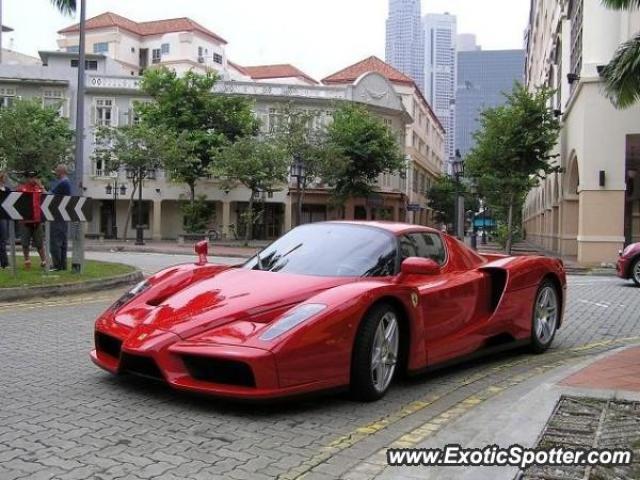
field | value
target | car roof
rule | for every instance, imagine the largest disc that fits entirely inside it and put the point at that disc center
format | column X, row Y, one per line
column 394, row 227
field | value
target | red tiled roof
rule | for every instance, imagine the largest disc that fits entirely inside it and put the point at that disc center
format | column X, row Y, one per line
column 156, row 27
column 373, row 64
column 240, row 68
column 264, row 72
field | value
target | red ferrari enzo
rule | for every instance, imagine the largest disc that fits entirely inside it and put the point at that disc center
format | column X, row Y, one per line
column 330, row 305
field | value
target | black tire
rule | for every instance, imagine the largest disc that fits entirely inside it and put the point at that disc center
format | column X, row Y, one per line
column 362, row 384
column 635, row 271
column 538, row 345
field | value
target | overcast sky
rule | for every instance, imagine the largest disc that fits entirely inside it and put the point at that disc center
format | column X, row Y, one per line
column 318, row 36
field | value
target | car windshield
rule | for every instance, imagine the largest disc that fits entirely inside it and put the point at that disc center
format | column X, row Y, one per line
column 330, row 250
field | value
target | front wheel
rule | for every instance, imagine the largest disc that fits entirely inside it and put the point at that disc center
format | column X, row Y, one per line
column 546, row 311
column 635, row 271
column 375, row 354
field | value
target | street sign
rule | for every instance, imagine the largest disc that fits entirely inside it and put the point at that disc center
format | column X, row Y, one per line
column 414, row 207
column 19, row 206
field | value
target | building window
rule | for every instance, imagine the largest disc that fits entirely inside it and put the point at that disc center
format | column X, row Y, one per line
column 88, row 64
column 165, row 48
column 156, row 55
column 217, row 58
column 104, row 112
column 54, row 99
column 73, row 49
column 101, row 47
column 575, row 13
column 144, row 218
column 7, row 96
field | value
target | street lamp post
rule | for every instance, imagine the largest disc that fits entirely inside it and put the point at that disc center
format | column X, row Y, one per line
column 113, row 191
column 139, row 225
column 458, row 173
column 484, row 223
column 298, row 172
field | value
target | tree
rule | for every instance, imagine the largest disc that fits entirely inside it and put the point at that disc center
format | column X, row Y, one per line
column 138, row 149
column 67, row 7
column 360, row 148
column 33, row 137
column 207, row 121
column 512, row 151
column 301, row 136
column 259, row 164
column 441, row 198
column 622, row 74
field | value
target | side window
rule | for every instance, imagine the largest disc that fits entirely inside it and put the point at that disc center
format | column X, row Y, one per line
column 425, row 245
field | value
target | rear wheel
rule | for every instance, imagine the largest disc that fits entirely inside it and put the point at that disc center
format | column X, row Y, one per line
column 635, row 271
column 375, row 355
column 546, row 311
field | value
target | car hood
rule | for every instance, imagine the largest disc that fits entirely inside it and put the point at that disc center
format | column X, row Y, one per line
column 234, row 294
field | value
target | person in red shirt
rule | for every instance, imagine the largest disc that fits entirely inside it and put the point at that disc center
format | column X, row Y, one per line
column 33, row 230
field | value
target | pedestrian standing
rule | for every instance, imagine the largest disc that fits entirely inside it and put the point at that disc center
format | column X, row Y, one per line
column 4, row 226
column 32, row 230
column 59, row 228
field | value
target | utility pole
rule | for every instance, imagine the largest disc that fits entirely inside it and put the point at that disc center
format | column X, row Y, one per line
column 1, row 30
column 77, row 261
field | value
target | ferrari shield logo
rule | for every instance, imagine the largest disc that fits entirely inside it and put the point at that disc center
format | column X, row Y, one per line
column 414, row 299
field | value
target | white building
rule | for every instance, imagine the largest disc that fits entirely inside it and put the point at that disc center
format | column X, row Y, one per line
column 179, row 43
column 405, row 39
column 441, row 72
column 424, row 140
column 593, row 208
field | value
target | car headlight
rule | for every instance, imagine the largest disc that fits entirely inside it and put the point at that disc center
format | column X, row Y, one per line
column 292, row 318
column 127, row 297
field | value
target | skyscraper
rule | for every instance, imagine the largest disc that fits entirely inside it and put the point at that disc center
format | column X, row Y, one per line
column 483, row 76
column 405, row 39
column 440, row 72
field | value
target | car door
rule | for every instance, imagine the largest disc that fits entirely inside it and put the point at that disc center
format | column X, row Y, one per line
column 448, row 301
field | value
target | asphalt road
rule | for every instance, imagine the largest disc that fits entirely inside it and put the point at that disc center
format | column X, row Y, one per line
column 63, row 418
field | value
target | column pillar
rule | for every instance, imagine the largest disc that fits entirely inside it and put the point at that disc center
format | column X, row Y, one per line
column 226, row 218
column 156, row 228
column 288, row 213
column 601, row 226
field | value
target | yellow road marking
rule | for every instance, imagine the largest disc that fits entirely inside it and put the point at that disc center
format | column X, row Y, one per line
column 420, row 433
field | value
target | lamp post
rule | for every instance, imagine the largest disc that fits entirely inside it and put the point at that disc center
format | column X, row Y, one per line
column 298, row 171
column 113, row 191
column 484, row 223
column 139, row 225
column 457, row 167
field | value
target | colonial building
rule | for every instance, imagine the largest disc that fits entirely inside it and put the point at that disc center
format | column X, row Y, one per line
column 591, row 209
column 281, row 73
column 424, row 138
column 179, row 43
column 110, row 97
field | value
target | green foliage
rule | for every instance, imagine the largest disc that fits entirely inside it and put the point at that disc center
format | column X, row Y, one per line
column 260, row 164
column 622, row 74
column 502, row 235
column 204, row 120
column 197, row 215
column 66, row 7
column 359, row 148
column 33, row 138
column 512, row 151
column 621, row 4
column 441, row 198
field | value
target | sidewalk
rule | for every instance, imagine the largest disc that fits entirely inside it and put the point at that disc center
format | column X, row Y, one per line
column 227, row 249
column 519, row 415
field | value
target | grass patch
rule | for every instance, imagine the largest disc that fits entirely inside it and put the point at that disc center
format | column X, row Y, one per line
column 37, row 277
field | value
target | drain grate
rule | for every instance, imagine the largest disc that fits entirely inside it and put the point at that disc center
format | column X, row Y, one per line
column 580, row 422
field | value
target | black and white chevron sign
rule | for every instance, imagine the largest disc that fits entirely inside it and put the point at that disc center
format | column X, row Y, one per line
column 19, row 206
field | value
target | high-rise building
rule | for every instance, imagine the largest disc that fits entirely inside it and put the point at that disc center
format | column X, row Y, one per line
column 405, row 39
column 466, row 42
column 440, row 72
column 483, row 77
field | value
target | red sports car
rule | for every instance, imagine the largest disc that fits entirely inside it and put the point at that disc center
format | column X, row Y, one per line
column 330, row 305
column 628, row 265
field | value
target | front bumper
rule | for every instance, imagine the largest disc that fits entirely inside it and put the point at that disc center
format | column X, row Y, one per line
column 622, row 268
column 228, row 371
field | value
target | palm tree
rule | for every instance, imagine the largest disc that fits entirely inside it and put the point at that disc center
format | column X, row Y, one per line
column 622, row 74
column 67, row 7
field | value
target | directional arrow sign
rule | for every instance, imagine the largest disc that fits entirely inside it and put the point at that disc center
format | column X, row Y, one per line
column 15, row 206
column 19, row 206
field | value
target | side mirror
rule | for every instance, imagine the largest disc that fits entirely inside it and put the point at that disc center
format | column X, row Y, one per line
column 202, row 250
column 419, row 266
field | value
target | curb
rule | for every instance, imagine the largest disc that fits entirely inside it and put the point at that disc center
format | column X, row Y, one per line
column 20, row 293
column 212, row 253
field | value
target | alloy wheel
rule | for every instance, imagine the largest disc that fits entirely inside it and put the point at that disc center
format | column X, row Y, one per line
column 546, row 314
column 384, row 354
